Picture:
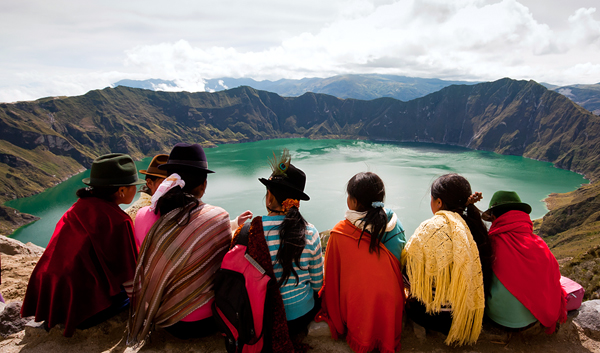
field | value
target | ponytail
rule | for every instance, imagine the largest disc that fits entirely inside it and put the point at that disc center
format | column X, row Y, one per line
column 369, row 191
column 376, row 218
column 176, row 198
column 472, row 217
column 183, row 199
column 291, row 236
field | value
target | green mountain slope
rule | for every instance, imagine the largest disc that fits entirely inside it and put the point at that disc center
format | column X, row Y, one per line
column 45, row 141
column 506, row 116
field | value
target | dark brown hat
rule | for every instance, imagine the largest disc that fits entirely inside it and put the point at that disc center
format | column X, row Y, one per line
column 153, row 167
column 115, row 169
column 186, row 156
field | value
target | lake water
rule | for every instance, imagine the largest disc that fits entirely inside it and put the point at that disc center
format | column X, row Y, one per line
column 407, row 169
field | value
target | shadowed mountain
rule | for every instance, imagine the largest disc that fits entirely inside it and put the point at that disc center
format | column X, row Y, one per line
column 45, row 141
column 506, row 116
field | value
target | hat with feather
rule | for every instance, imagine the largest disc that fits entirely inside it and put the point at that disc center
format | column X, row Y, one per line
column 286, row 178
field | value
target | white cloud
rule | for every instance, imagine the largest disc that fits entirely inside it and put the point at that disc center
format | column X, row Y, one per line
column 585, row 30
column 40, row 85
column 189, row 42
column 465, row 39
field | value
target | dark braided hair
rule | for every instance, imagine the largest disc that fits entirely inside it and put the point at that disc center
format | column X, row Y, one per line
column 292, row 237
column 106, row 193
column 183, row 199
column 367, row 188
column 454, row 191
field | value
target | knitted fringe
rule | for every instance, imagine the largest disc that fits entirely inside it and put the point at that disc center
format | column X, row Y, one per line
column 466, row 322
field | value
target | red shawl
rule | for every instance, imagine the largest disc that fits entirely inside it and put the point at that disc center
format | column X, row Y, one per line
column 363, row 293
column 527, row 268
column 90, row 255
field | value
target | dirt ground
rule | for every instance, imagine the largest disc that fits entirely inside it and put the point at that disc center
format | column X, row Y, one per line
column 109, row 336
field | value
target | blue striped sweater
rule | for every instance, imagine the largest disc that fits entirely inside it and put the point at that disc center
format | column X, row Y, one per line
column 297, row 299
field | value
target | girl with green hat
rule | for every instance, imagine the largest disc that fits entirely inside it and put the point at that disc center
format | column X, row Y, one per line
column 526, row 282
column 79, row 280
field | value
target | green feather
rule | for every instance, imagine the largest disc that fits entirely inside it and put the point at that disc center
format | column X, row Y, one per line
column 280, row 165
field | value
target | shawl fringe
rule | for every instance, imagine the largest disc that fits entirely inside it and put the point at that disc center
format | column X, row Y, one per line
column 452, row 280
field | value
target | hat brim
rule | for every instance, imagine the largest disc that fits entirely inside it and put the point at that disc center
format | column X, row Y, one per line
column 145, row 172
column 518, row 206
column 294, row 192
column 87, row 181
column 173, row 166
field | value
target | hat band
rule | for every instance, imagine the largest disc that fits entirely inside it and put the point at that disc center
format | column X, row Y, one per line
column 201, row 164
column 113, row 181
column 155, row 171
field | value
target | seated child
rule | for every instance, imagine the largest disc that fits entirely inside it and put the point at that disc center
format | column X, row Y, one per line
column 447, row 261
column 525, row 284
column 363, row 294
column 80, row 279
column 154, row 176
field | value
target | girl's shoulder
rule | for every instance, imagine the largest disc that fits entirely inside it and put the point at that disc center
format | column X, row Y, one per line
column 312, row 235
column 311, row 230
column 216, row 211
column 438, row 221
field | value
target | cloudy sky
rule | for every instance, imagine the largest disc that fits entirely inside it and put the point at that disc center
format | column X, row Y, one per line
column 68, row 47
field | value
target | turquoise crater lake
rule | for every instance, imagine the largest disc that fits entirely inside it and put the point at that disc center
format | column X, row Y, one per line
column 406, row 168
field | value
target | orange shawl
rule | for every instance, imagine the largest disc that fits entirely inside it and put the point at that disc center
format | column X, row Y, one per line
column 363, row 293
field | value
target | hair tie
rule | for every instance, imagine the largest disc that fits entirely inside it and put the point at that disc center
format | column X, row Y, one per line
column 170, row 182
column 288, row 204
column 376, row 204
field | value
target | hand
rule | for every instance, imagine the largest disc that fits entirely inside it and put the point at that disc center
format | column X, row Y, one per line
column 476, row 197
column 243, row 217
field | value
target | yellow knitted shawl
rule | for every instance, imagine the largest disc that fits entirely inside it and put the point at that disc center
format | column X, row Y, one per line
column 442, row 254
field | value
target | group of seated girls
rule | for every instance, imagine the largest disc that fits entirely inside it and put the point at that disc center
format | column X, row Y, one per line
column 446, row 276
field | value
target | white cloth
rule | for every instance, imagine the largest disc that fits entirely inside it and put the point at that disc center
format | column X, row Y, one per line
column 172, row 181
column 356, row 218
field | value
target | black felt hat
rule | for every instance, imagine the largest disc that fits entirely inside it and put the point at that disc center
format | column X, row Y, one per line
column 187, row 156
column 115, row 169
column 291, row 184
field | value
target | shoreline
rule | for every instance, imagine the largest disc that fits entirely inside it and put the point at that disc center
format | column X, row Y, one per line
column 548, row 200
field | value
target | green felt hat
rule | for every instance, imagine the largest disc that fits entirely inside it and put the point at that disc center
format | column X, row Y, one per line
column 115, row 169
column 506, row 201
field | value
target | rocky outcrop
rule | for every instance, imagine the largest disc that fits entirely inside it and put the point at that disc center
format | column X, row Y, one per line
column 9, row 246
column 10, row 319
column 11, row 219
column 588, row 318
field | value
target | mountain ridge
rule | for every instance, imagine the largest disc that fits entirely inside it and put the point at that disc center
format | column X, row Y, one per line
column 364, row 87
column 45, row 141
column 505, row 116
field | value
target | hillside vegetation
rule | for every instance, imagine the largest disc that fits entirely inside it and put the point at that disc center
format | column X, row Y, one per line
column 45, row 141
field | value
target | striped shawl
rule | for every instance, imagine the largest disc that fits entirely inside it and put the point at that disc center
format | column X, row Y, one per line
column 176, row 269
